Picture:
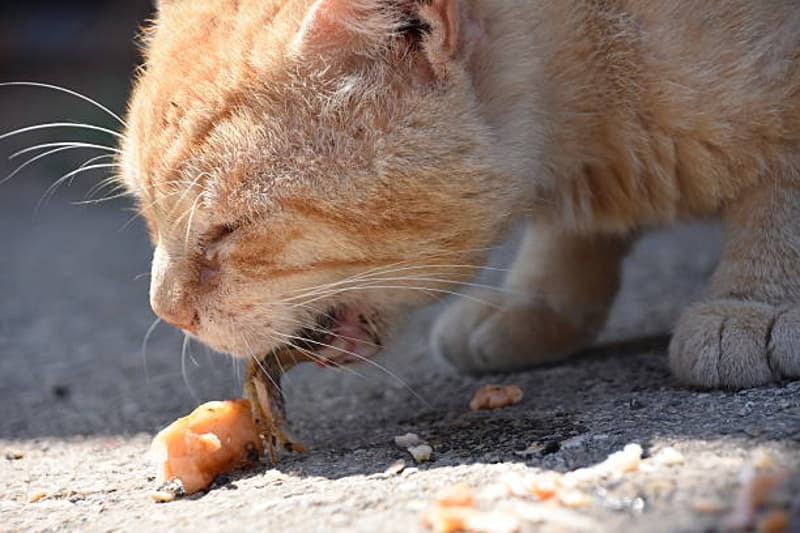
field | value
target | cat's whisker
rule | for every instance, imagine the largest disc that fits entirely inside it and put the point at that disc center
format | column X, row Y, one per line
column 449, row 282
column 190, row 222
column 400, row 287
column 429, row 256
column 125, row 194
column 52, row 189
column 73, row 144
column 33, row 160
column 65, row 90
column 104, row 184
column 366, row 360
column 146, row 339
column 311, row 355
column 183, row 188
column 443, row 281
column 142, row 275
column 400, row 265
column 311, row 325
column 54, row 125
column 114, row 196
column 184, row 348
column 254, row 357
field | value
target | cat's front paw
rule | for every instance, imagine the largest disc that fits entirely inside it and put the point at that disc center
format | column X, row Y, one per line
column 736, row 344
column 491, row 332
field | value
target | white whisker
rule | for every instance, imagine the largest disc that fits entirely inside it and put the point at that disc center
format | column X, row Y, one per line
column 73, row 144
column 146, row 339
column 186, row 341
column 365, row 360
column 53, row 125
column 66, row 91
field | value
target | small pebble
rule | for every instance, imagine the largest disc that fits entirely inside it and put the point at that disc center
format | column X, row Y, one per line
column 409, row 440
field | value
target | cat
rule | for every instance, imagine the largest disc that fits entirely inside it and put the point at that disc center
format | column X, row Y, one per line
column 311, row 171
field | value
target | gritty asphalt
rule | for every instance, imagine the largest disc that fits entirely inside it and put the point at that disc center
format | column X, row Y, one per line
column 80, row 400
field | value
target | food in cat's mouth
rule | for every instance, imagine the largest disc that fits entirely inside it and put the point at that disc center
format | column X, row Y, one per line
column 262, row 386
column 215, row 438
column 218, row 437
column 341, row 336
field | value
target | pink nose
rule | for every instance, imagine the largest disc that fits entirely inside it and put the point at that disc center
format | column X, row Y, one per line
column 182, row 317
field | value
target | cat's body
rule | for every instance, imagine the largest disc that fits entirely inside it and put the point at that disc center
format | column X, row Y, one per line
column 351, row 158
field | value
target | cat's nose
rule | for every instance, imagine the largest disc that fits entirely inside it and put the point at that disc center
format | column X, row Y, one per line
column 182, row 317
column 170, row 297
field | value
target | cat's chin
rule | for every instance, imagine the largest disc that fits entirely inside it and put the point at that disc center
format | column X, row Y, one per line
column 343, row 335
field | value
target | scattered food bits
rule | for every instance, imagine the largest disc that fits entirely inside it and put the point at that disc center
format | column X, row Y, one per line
column 421, row 453
column 545, row 486
column 409, row 440
column 163, row 496
column 495, row 397
column 37, row 497
column 776, row 521
column 447, row 519
column 493, row 522
column 627, row 460
column 214, row 439
column 668, row 457
column 460, row 495
column 443, row 519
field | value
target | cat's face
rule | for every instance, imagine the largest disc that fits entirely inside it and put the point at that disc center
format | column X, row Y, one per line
column 307, row 166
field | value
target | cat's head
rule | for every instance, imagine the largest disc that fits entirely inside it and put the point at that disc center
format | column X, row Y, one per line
column 306, row 166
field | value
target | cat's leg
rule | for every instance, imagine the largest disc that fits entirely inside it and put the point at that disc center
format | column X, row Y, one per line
column 747, row 332
column 553, row 302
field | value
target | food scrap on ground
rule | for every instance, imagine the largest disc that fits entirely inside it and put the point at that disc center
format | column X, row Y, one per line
column 37, row 497
column 495, row 397
column 545, row 497
column 759, row 481
column 218, row 437
column 420, row 450
column 215, row 438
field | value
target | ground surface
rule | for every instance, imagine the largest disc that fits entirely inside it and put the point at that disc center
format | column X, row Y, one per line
column 80, row 403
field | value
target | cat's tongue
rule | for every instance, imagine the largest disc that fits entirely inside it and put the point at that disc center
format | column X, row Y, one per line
column 351, row 341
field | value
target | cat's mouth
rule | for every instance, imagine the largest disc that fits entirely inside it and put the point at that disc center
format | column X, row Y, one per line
column 341, row 336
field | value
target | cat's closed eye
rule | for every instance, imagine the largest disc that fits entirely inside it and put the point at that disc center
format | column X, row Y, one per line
column 214, row 240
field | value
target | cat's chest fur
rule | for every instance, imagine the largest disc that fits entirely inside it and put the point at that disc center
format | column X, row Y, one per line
column 636, row 113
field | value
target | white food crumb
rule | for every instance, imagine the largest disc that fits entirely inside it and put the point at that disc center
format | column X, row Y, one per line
column 421, row 453
column 409, row 440
column 668, row 457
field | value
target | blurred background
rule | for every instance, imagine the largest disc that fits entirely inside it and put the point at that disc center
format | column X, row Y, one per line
column 74, row 276
column 88, row 46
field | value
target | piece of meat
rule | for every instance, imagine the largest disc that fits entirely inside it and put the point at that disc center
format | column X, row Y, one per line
column 218, row 437
column 215, row 438
column 495, row 397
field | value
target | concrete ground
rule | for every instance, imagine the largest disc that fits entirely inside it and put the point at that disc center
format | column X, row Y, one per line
column 80, row 400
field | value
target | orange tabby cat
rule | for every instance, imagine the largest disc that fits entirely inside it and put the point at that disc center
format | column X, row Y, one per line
column 312, row 170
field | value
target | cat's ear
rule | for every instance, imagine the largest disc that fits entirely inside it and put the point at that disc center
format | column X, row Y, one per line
column 347, row 24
